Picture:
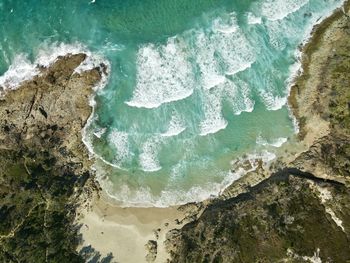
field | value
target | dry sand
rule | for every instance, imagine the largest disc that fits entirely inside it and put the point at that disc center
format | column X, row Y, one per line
column 124, row 232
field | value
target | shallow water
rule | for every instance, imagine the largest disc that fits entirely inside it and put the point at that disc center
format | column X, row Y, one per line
column 193, row 85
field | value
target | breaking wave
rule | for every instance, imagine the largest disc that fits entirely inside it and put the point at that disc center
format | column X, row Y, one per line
column 180, row 110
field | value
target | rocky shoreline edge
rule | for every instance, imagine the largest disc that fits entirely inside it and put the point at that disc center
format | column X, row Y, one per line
column 45, row 169
column 295, row 211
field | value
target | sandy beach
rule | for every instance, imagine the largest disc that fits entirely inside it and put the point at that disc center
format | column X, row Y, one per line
column 285, row 198
column 124, row 232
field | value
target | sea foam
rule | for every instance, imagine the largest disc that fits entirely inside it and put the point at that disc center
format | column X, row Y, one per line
column 204, row 53
column 223, row 51
column 175, row 127
column 273, row 102
column 120, row 142
column 163, row 75
column 279, row 9
column 215, row 64
column 252, row 19
column 278, row 142
column 20, row 70
column 238, row 94
column 148, row 158
column 213, row 119
column 233, row 48
column 142, row 196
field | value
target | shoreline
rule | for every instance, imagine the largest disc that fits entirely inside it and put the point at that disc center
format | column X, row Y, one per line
column 125, row 232
column 300, row 143
column 292, row 145
column 92, row 61
column 306, row 51
column 134, row 234
column 296, row 210
column 45, row 170
column 242, row 185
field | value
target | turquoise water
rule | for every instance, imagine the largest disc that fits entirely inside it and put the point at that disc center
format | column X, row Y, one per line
column 193, row 85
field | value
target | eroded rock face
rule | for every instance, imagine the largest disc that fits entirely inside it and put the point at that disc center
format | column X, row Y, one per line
column 43, row 162
column 49, row 112
column 301, row 213
column 327, row 158
column 280, row 216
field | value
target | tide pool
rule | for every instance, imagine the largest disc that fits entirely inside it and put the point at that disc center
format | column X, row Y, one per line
column 192, row 86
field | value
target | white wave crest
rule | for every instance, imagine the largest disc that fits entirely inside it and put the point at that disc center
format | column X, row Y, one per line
column 279, row 9
column 273, row 102
column 278, row 142
column 226, row 26
column 235, row 50
column 20, row 70
column 163, row 75
column 208, row 64
column 238, row 94
column 252, row 19
column 213, row 118
column 120, row 141
column 176, row 126
column 148, row 158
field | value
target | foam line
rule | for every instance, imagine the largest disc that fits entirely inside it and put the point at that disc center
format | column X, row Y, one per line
column 163, row 75
column 213, row 120
column 148, row 158
column 279, row 9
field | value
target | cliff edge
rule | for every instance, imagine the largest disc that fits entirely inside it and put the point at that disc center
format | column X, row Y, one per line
column 301, row 212
column 44, row 164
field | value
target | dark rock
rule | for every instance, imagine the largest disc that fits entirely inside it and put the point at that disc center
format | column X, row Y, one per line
column 42, row 160
column 301, row 212
column 151, row 247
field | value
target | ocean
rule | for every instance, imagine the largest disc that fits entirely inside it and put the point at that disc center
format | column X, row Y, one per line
column 193, row 86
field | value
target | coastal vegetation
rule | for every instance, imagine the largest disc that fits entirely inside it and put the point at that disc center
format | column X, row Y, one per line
column 299, row 213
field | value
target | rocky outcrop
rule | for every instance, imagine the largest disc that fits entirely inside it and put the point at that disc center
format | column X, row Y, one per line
column 282, row 219
column 49, row 112
column 43, row 162
column 300, row 213
column 151, row 247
